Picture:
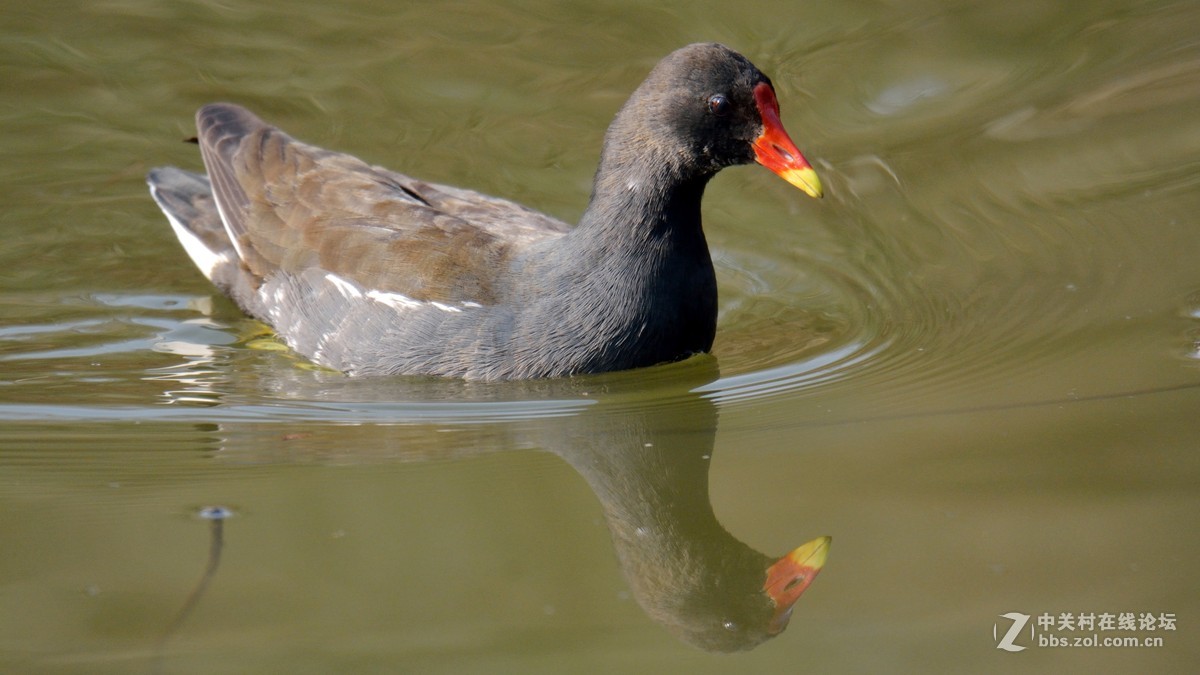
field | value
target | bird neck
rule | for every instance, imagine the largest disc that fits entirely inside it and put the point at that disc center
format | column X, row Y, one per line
column 643, row 192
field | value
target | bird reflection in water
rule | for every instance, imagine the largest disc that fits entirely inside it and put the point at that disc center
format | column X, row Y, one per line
column 648, row 465
column 649, row 469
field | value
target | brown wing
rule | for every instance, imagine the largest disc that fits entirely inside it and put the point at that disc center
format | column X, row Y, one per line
column 291, row 206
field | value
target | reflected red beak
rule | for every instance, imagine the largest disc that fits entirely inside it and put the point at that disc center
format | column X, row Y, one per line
column 775, row 150
column 788, row 578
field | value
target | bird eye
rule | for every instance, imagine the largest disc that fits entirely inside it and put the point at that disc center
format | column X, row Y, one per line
column 719, row 105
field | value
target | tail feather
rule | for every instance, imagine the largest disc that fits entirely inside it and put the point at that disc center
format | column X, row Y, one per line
column 186, row 198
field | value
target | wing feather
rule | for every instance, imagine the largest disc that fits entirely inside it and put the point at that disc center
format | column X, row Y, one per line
column 289, row 206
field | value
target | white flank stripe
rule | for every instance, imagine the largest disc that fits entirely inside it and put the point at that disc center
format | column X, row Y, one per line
column 345, row 287
column 398, row 301
column 394, row 300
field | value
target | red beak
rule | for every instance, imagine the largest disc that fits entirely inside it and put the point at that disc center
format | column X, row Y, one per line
column 775, row 150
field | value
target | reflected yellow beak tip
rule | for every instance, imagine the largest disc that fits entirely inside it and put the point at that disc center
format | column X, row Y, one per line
column 792, row 573
column 812, row 554
column 806, row 179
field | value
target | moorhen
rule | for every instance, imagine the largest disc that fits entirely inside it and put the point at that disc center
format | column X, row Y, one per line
column 372, row 272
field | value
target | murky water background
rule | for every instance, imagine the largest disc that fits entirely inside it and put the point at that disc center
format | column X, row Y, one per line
column 975, row 363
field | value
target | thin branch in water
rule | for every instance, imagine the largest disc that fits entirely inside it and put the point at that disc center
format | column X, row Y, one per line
column 216, row 515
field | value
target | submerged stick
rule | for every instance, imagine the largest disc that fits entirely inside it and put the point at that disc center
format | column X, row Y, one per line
column 217, row 515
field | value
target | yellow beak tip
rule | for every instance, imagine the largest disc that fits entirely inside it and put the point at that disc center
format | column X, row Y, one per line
column 813, row 553
column 806, row 179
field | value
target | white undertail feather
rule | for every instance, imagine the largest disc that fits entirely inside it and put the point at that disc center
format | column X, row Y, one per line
column 204, row 257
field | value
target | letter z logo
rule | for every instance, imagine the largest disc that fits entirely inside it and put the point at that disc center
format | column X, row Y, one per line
column 1007, row 642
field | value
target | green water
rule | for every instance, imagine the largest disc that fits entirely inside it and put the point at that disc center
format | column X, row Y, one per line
column 975, row 363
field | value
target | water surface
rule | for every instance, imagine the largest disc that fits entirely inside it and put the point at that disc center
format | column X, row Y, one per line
column 974, row 364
